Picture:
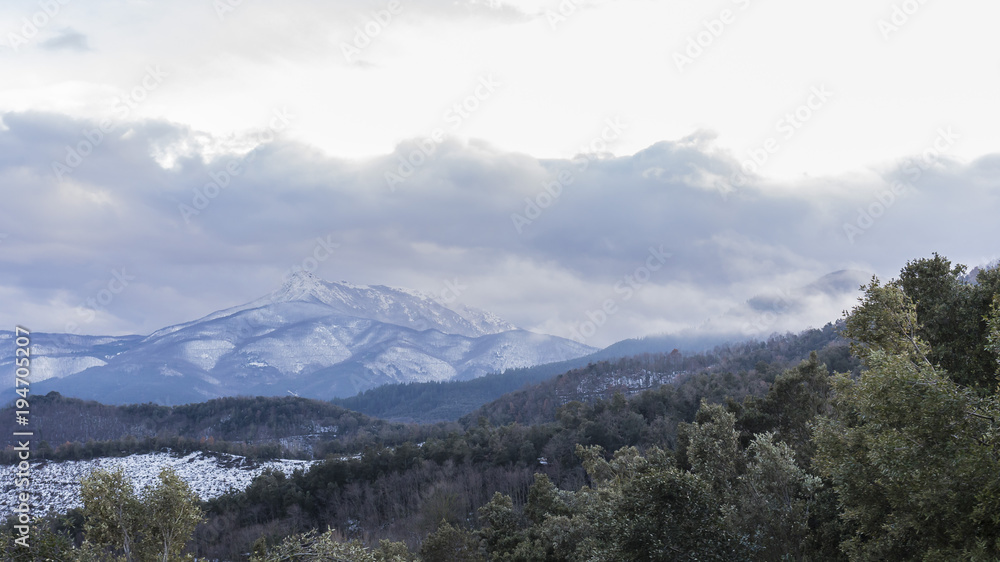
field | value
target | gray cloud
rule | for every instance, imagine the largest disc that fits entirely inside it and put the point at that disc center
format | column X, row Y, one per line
column 68, row 39
column 454, row 217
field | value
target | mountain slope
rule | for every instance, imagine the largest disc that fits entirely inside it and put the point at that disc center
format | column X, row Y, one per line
column 309, row 338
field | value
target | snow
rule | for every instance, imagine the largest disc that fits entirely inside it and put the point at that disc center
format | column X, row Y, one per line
column 417, row 366
column 205, row 353
column 307, row 326
column 48, row 367
column 55, row 486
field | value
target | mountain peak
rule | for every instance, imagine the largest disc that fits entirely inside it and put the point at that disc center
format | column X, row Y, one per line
column 300, row 285
column 309, row 296
column 403, row 307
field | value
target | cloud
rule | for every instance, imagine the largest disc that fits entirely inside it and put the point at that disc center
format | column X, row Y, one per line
column 67, row 39
column 591, row 229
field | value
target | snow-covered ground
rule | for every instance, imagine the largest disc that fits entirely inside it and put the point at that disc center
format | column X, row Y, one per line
column 56, row 485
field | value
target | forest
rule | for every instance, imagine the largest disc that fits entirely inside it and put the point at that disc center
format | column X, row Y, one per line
column 875, row 438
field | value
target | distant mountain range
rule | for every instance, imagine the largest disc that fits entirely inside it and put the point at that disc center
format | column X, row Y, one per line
column 310, row 338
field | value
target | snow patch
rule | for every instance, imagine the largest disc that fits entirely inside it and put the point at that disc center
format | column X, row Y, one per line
column 55, row 486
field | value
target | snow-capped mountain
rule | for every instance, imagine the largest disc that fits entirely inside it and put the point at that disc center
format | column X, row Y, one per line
column 383, row 304
column 310, row 338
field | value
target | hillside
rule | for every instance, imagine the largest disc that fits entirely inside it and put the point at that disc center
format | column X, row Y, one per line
column 448, row 401
column 632, row 375
column 70, row 428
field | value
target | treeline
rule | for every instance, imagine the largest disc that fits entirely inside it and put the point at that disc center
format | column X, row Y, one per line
column 757, row 363
column 76, row 451
column 430, row 402
column 70, row 428
column 448, row 401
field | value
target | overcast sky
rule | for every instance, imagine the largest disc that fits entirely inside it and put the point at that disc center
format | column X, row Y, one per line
column 664, row 161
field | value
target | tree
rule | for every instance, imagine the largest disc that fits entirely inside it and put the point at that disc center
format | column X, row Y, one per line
column 993, row 325
column 645, row 508
column 557, row 531
column 713, row 448
column 912, row 456
column 330, row 547
column 886, row 320
column 450, row 544
column 155, row 527
column 543, row 500
column 794, row 400
column 112, row 511
column 952, row 312
column 912, row 445
column 772, row 501
column 171, row 512
column 500, row 529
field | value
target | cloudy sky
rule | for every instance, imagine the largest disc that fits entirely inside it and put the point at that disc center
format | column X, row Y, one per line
column 642, row 166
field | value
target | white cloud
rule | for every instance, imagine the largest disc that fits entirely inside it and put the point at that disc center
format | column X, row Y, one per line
column 219, row 81
column 451, row 219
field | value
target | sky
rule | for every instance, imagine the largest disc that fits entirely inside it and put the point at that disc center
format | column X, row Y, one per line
column 590, row 169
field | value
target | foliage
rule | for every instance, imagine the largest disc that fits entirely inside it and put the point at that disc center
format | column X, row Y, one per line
column 952, row 312
column 450, row 544
column 329, row 547
column 771, row 502
column 155, row 526
column 912, row 445
column 171, row 513
column 795, row 399
column 113, row 512
column 912, row 455
column 46, row 542
column 73, row 429
column 886, row 320
column 645, row 508
column 993, row 324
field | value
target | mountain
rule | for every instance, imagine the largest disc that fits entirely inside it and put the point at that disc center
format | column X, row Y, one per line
column 310, row 338
column 430, row 402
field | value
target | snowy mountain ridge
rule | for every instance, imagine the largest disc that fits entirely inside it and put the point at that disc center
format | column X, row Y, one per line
column 404, row 307
column 309, row 338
